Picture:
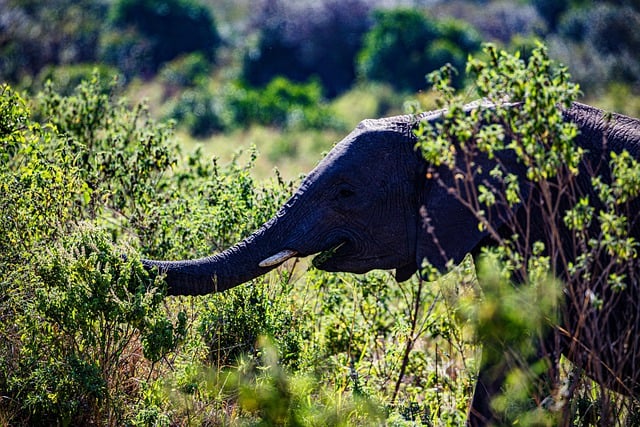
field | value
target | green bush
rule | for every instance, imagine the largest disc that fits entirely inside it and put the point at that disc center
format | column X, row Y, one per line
column 599, row 44
column 76, row 311
column 89, row 310
column 80, row 319
column 201, row 111
column 307, row 40
column 39, row 195
column 117, row 151
column 405, row 44
column 170, row 28
column 65, row 78
column 40, row 34
column 233, row 324
column 281, row 103
column 190, row 70
column 564, row 264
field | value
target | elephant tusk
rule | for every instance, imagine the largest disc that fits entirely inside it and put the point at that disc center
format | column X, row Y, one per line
column 278, row 258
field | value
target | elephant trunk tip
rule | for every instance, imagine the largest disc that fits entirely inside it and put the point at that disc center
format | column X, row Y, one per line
column 278, row 258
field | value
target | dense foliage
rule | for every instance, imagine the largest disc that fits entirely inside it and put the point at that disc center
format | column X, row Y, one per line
column 87, row 338
column 303, row 40
column 587, row 253
column 282, row 103
column 137, row 38
column 163, row 30
column 405, row 44
column 33, row 36
column 80, row 319
column 322, row 40
column 89, row 181
column 74, row 308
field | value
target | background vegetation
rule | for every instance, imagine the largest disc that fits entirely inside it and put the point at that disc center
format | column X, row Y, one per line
column 204, row 63
column 108, row 127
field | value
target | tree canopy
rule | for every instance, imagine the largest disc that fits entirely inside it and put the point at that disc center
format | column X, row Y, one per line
column 168, row 28
column 404, row 44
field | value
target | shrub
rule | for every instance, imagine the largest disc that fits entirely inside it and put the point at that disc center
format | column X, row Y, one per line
column 405, row 44
column 281, row 103
column 190, row 70
column 581, row 223
column 305, row 40
column 78, row 315
column 38, row 195
column 118, row 152
column 80, row 320
column 599, row 44
column 37, row 34
column 66, row 78
column 89, row 310
column 170, row 28
column 201, row 111
column 232, row 324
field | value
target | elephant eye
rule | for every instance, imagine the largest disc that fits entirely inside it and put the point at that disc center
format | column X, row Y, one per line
column 345, row 192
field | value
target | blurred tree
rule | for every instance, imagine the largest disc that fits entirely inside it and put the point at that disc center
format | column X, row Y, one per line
column 300, row 40
column 405, row 44
column 128, row 51
column 613, row 30
column 162, row 29
column 282, row 103
column 501, row 21
column 200, row 111
column 186, row 71
column 34, row 34
column 551, row 11
column 66, row 78
column 628, row 3
column 600, row 44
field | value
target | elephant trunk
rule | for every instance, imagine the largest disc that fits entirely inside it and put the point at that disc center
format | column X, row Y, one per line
column 247, row 260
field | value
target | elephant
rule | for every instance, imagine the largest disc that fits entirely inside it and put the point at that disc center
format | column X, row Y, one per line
column 372, row 203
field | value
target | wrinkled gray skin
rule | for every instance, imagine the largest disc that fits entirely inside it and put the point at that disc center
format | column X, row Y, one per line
column 368, row 205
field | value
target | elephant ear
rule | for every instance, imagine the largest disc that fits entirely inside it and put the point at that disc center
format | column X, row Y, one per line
column 447, row 228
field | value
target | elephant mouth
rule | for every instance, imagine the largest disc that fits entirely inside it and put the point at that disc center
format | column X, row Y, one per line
column 319, row 261
column 325, row 256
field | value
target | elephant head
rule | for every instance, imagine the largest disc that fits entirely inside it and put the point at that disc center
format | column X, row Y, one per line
column 358, row 209
column 362, row 208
